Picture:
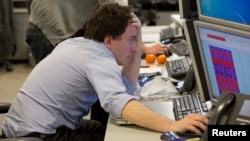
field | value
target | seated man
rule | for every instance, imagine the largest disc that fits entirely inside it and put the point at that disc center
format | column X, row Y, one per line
column 60, row 90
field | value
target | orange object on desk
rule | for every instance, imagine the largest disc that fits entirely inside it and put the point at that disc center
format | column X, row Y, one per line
column 150, row 58
column 161, row 59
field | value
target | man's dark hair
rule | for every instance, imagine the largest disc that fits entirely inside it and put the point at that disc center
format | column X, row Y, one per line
column 109, row 19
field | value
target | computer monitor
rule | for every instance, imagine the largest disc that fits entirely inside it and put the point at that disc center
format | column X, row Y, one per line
column 225, row 55
column 187, row 8
column 189, row 35
column 226, row 12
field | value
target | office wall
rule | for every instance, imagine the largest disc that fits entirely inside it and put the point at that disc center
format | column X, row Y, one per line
column 164, row 18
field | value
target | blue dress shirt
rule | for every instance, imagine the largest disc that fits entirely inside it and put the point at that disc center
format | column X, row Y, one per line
column 62, row 87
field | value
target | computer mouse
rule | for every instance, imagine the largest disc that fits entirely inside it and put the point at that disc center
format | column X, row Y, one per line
column 169, row 53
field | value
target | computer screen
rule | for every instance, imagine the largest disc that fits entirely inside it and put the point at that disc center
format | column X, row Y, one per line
column 226, row 12
column 225, row 55
column 188, row 8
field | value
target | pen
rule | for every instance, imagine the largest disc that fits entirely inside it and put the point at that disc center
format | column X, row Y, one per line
column 146, row 66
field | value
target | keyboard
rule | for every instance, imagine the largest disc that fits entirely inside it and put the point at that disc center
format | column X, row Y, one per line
column 187, row 104
column 179, row 67
column 180, row 48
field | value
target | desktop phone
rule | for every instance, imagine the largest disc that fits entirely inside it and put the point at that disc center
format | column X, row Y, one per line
column 232, row 108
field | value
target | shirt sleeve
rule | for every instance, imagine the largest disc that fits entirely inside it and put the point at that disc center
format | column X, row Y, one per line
column 112, row 86
column 131, row 87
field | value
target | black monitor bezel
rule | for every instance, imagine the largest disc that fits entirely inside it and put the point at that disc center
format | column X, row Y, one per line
column 186, row 9
column 193, row 48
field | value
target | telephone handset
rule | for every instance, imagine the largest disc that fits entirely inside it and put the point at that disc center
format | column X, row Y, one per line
column 226, row 101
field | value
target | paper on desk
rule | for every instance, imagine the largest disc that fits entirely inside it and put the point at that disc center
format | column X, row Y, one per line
column 150, row 70
column 162, row 70
column 158, row 86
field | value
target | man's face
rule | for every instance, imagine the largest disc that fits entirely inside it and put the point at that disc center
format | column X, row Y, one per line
column 123, row 47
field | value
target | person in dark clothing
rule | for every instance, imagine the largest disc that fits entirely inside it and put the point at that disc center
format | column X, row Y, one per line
column 6, row 33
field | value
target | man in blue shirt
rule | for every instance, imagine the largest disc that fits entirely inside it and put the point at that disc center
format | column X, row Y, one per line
column 61, row 89
column 52, row 23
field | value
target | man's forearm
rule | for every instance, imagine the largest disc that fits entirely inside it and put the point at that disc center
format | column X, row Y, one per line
column 139, row 114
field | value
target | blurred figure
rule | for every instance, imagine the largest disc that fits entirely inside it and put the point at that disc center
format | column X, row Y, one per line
column 6, row 33
column 49, row 24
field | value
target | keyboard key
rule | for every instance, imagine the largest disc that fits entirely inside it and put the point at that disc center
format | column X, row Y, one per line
column 204, row 106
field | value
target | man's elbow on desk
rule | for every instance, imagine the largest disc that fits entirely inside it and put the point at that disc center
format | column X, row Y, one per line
column 137, row 113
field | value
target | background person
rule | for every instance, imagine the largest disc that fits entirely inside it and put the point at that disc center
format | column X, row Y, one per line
column 51, row 23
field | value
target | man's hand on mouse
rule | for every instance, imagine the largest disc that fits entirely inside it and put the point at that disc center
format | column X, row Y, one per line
column 195, row 123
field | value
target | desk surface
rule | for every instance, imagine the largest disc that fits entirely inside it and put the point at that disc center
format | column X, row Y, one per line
column 116, row 132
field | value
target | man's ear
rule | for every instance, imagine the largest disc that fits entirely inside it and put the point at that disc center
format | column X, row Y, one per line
column 107, row 41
